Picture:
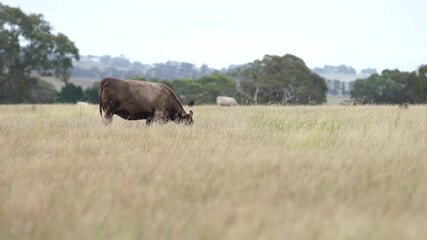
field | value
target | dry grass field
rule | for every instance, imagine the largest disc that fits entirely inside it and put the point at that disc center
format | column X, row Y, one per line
column 323, row 172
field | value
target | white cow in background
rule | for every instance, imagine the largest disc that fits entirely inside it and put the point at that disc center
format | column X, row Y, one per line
column 82, row 103
column 226, row 101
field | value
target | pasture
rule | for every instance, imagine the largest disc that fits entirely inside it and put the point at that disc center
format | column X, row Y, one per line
column 259, row 172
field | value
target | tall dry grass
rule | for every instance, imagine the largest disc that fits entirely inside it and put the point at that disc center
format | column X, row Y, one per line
column 325, row 172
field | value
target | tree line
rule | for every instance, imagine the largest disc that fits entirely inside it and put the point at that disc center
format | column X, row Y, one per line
column 389, row 87
column 392, row 87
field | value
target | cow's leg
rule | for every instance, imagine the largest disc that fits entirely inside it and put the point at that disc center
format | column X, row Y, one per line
column 160, row 117
column 149, row 120
column 108, row 116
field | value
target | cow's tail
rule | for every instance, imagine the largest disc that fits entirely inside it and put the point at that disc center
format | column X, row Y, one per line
column 101, row 87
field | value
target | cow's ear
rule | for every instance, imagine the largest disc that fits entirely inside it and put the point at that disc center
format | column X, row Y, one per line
column 191, row 113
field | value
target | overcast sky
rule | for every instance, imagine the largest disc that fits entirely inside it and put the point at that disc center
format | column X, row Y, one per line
column 360, row 33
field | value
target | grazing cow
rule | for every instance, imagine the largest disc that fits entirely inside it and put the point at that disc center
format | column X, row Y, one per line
column 134, row 100
column 226, row 101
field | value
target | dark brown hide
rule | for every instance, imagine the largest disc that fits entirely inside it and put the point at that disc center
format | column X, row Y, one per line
column 134, row 100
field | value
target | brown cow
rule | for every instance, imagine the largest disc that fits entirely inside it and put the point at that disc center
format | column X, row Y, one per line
column 134, row 100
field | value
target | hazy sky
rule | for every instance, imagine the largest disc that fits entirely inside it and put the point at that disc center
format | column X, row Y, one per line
column 360, row 33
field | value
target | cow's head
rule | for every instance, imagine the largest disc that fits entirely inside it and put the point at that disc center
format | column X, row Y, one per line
column 186, row 118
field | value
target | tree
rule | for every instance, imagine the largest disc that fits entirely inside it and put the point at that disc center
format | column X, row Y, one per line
column 187, row 70
column 368, row 71
column 392, row 87
column 106, row 60
column 42, row 92
column 120, row 62
column 249, row 79
column 91, row 94
column 276, row 79
column 215, row 85
column 187, row 89
column 70, row 93
column 421, row 90
column 28, row 47
column 204, row 70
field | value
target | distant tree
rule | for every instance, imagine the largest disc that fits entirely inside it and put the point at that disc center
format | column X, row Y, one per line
column 205, row 70
column 216, row 85
column 392, row 87
column 276, row 79
column 187, row 89
column 71, row 93
column 28, row 47
column 166, row 71
column 319, row 70
column 187, row 70
column 334, row 86
column 91, row 94
column 106, row 60
column 341, row 69
column 42, row 92
column 368, row 71
column 138, row 67
column 420, row 87
column 250, row 79
column 120, row 62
